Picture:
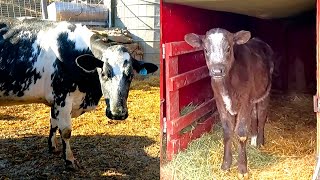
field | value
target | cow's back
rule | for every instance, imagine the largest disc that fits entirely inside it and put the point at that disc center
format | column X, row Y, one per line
column 37, row 64
column 253, row 68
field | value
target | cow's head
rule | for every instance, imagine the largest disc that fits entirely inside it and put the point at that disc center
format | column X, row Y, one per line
column 218, row 48
column 115, row 68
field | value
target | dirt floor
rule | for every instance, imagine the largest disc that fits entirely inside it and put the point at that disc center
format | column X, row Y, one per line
column 105, row 149
column 289, row 151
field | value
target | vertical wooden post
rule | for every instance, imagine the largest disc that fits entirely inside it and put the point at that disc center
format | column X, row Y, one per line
column 317, row 168
column 44, row 9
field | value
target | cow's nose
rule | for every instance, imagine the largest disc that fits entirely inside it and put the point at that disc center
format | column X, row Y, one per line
column 218, row 71
column 120, row 114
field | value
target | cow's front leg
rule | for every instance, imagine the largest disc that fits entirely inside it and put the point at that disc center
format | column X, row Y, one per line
column 52, row 140
column 243, row 123
column 227, row 121
column 63, row 116
column 242, row 160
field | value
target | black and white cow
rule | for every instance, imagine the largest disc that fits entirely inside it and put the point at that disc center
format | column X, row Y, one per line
column 67, row 67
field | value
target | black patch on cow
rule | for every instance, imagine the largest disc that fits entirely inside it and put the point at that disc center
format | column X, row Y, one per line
column 68, row 76
column 54, row 112
column 52, row 131
column 17, row 60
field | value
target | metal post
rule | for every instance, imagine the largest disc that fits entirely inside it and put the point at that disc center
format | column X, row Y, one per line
column 44, row 9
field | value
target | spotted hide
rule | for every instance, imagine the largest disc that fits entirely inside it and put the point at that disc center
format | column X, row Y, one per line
column 67, row 67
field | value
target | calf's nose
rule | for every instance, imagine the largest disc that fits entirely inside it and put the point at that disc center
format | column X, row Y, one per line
column 218, row 71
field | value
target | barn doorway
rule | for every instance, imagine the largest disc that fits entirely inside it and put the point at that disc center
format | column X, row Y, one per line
column 290, row 29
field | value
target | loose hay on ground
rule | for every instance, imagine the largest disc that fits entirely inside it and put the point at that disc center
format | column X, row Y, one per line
column 106, row 149
column 289, row 152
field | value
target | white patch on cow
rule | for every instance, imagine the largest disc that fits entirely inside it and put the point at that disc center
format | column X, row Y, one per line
column 48, row 39
column 81, row 36
column 116, row 60
column 254, row 140
column 227, row 101
column 216, row 42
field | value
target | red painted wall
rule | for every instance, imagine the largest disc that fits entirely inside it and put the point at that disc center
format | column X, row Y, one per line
column 291, row 38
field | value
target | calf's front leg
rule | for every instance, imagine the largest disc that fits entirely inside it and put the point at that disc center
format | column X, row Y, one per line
column 227, row 121
column 243, row 123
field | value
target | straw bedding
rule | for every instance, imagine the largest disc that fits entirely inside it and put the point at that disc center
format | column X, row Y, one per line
column 105, row 149
column 289, row 152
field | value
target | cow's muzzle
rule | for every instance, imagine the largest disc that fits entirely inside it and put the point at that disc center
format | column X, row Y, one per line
column 116, row 116
column 119, row 113
column 218, row 71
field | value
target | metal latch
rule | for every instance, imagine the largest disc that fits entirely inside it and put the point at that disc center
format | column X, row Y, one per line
column 316, row 104
column 164, row 125
column 163, row 51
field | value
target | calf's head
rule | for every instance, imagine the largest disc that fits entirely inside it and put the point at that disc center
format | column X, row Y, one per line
column 218, row 47
column 115, row 68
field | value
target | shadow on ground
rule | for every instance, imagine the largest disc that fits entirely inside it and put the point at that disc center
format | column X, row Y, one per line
column 101, row 156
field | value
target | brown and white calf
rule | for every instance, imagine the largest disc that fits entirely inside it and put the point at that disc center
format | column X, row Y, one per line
column 241, row 71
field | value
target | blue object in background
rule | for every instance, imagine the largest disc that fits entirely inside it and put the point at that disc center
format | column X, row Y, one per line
column 143, row 71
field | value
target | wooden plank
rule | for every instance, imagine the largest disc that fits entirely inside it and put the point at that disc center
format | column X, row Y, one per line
column 187, row 78
column 172, row 97
column 176, row 125
column 182, row 143
column 180, row 47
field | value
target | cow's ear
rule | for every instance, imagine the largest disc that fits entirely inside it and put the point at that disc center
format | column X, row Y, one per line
column 193, row 40
column 241, row 37
column 143, row 67
column 88, row 63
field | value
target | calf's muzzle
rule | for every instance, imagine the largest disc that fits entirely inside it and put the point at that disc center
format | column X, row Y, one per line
column 218, row 71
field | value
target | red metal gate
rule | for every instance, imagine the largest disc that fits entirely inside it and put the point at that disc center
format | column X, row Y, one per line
column 175, row 82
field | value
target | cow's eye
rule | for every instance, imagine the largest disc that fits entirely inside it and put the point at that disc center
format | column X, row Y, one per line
column 205, row 50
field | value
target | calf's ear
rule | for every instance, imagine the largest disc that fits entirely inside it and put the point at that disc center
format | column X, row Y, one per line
column 143, row 67
column 193, row 40
column 88, row 63
column 241, row 37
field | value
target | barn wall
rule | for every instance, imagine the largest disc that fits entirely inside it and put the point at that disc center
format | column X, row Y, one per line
column 142, row 19
column 294, row 43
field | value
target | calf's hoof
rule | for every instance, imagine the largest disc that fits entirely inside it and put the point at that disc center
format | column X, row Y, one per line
column 243, row 176
column 72, row 165
column 225, row 166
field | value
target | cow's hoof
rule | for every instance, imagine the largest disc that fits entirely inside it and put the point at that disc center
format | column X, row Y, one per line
column 54, row 150
column 243, row 176
column 72, row 165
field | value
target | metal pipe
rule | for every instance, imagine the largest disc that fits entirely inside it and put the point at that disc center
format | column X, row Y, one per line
column 44, row 9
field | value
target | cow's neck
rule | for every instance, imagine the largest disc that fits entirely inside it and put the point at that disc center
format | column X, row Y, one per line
column 222, row 88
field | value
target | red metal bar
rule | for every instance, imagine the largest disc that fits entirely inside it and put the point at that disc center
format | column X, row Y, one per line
column 181, row 47
column 187, row 78
column 176, row 125
column 184, row 139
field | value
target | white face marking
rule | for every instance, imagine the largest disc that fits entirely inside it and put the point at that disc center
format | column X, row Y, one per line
column 254, row 141
column 216, row 42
